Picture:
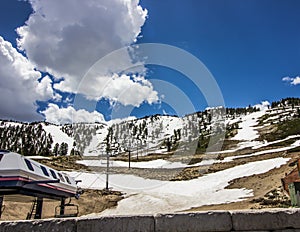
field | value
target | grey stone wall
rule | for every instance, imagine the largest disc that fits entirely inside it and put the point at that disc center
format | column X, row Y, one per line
column 250, row 220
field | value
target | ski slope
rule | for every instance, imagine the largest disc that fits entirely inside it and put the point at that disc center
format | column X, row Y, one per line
column 159, row 163
column 145, row 196
column 58, row 135
column 247, row 131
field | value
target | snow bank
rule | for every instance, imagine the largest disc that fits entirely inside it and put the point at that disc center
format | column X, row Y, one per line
column 159, row 163
column 274, row 142
column 38, row 157
column 153, row 196
column 247, row 131
column 294, row 145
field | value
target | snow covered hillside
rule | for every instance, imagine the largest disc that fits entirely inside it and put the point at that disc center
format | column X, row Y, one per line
column 168, row 163
column 245, row 157
column 194, row 133
column 146, row 196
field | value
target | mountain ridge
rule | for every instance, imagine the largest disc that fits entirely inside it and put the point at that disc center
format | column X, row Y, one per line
column 155, row 131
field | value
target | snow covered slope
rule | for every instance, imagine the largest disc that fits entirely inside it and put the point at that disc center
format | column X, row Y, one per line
column 58, row 135
column 153, row 134
column 145, row 196
column 255, row 142
column 247, row 129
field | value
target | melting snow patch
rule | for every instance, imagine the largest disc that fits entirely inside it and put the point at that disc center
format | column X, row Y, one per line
column 247, row 131
column 159, row 163
column 153, row 196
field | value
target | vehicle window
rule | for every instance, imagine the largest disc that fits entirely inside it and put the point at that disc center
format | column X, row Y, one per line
column 29, row 165
column 61, row 177
column 53, row 174
column 44, row 171
column 67, row 179
column 1, row 156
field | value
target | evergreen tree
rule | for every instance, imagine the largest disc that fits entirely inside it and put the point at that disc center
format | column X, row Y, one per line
column 72, row 151
column 63, row 149
column 56, row 149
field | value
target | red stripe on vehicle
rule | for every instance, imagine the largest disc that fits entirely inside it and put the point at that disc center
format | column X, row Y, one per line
column 44, row 185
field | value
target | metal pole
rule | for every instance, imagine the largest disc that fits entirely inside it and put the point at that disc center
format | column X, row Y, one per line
column 129, row 158
column 147, row 147
column 39, row 208
column 1, row 204
column 62, row 207
column 107, row 169
column 137, row 151
column 141, row 146
column 129, row 154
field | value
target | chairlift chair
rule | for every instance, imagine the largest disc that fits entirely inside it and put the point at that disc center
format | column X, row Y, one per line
column 66, row 210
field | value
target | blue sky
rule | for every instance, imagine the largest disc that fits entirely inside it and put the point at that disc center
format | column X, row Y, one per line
column 248, row 46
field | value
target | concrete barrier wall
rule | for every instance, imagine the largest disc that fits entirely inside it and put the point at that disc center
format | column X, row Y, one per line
column 260, row 220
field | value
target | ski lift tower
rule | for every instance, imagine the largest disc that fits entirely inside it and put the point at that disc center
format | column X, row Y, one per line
column 107, row 169
column 109, row 153
column 128, row 148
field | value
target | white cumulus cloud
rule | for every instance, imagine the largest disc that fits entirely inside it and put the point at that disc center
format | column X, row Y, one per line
column 57, row 115
column 129, row 92
column 292, row 80
column 296, row 81
column 264, row 105
column 20, row 85
column 66, row 37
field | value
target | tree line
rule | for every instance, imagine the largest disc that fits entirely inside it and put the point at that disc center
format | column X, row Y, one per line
column 29, row 140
